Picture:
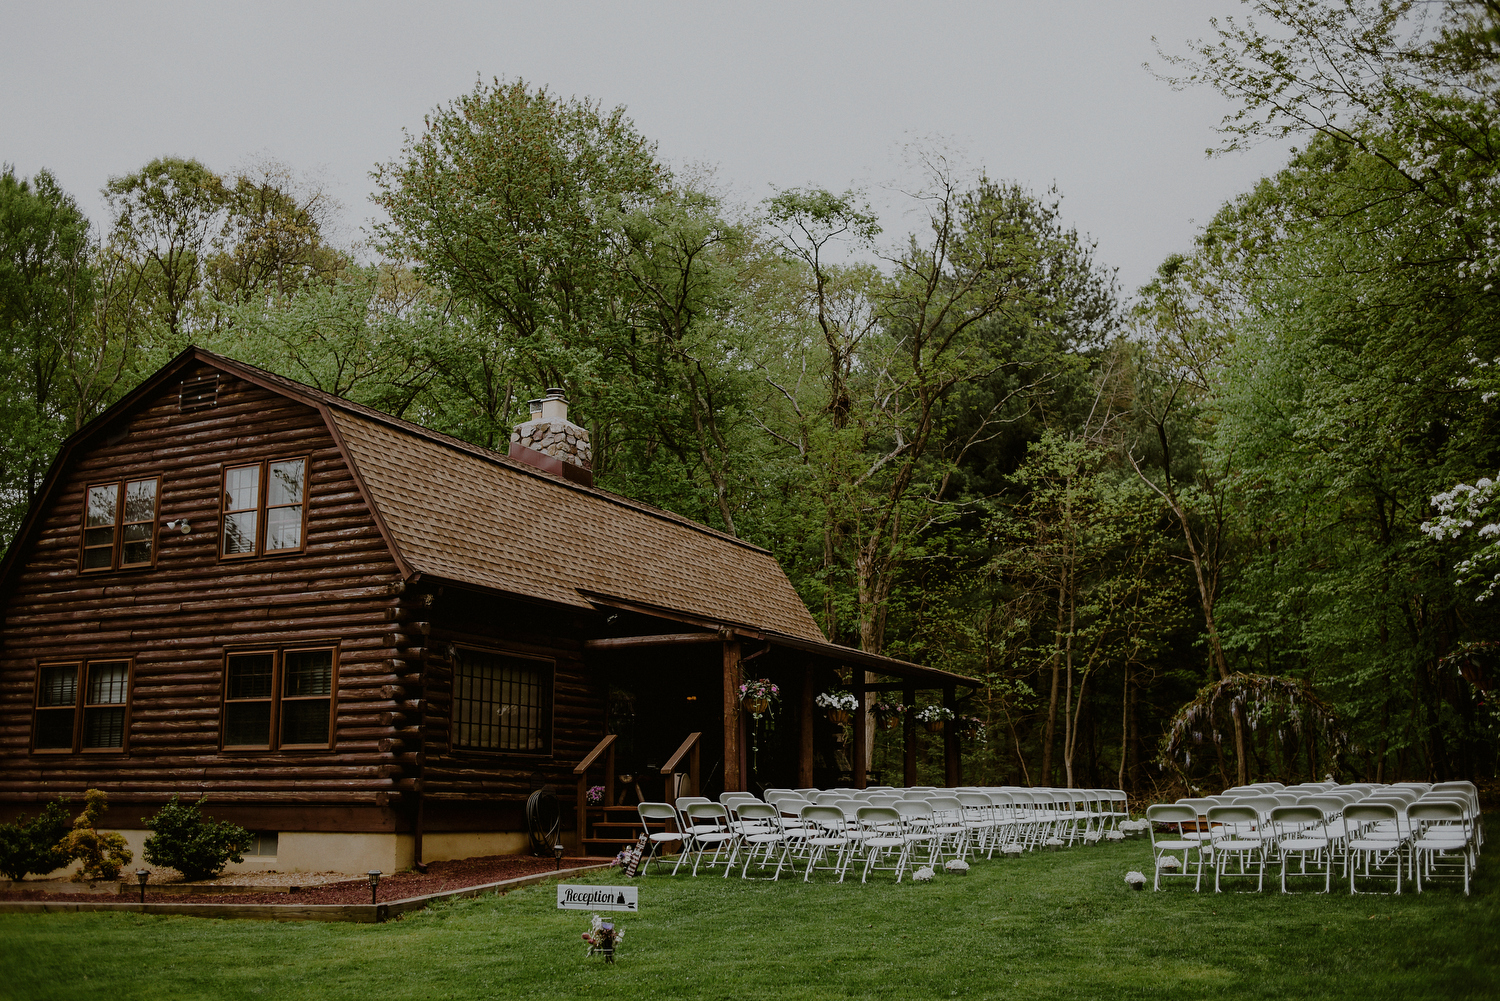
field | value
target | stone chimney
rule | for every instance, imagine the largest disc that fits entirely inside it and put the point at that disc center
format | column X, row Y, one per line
column 553, row 443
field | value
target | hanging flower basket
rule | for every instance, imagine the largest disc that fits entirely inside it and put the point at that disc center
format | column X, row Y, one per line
column 888, row 715
column 756, row 695
column 933, row 718
column 839, row 706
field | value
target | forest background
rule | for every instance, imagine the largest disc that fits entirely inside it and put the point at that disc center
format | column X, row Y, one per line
column 1237, row 526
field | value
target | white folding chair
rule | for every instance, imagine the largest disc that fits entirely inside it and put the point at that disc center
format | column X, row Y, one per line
column 1165, row 843
column 657, row 813
column 1237, row 837
column 1440, row 830
column 708, row 827
column 1301, row 832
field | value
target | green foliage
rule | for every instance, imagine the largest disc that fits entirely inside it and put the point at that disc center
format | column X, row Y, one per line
column 102, row 855
column 198, row 847
column 35, row 846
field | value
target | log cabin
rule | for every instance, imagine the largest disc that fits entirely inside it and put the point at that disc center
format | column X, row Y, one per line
column 370, row 643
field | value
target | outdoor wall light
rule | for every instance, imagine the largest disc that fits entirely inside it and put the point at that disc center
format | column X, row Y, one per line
column 181, row 524
column 141, row 875
column 557, row 853
column 374, row 882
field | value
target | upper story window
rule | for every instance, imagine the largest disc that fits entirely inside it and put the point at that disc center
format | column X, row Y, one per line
column 278, row 698
column 501, row 703
column 81, row 706
column 264, row 511
column 119, row 524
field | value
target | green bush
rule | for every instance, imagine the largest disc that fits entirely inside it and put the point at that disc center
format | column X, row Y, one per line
column 34, row 847
column 102, row 855
column 199, row 848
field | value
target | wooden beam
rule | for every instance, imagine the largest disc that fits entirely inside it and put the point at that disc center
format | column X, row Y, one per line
column 909, row 737
column 808, row 717
column 860, row 766
column 734, row 778
column 951, row 758
column 664, row 639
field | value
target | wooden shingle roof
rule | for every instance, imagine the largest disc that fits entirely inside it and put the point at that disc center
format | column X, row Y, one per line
column 476, row 517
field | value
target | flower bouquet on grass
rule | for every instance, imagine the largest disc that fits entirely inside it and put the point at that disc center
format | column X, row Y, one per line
column 956, row 867
column 922, row 875
column 838, row 704
column 757, row 695
column 934, row 718
column 602, row 938
column 1135, row 880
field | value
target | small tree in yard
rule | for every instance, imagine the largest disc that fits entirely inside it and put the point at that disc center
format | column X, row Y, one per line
column 198, row 848
column 34, row 847
column 102, row 855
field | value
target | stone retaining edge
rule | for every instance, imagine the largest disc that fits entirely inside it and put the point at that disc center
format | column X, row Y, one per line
column 360, row 913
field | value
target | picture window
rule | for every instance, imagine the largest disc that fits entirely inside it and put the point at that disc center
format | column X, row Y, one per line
column 501, row 703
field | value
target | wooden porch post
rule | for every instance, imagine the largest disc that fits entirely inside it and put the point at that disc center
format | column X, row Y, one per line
column 808, row 714
column 909, row 737
column 950, row 740
column 860, row 777
column 733, row 777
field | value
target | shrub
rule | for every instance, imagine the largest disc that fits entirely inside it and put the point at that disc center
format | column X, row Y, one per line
column 195, row 846
column 34, row 847
column 102, row 855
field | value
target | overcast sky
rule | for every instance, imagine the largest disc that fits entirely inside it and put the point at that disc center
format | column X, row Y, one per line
column 770, row 93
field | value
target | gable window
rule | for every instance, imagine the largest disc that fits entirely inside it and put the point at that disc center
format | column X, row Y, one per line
column 119, row 524
column 263, row 508
column 278, row 698
column 501, row 703
column 81, row 706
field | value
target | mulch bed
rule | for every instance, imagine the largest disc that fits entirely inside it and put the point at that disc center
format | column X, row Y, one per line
column 440, row 876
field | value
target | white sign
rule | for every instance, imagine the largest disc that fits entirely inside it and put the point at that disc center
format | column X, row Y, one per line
column 574, row 897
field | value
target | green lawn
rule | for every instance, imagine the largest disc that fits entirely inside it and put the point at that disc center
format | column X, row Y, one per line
column 1061, row 925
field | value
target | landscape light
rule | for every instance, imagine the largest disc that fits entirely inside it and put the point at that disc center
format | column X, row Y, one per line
column 374, row 882
column 557, row 853
column 141, row 875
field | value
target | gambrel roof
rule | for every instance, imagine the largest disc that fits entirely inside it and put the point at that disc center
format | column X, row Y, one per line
column 460, row 513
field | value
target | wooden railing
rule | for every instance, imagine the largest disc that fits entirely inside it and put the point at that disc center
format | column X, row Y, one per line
column 605, row 747
column 689, row 750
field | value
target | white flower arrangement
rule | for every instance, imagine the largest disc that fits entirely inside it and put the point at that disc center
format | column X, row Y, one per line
column 837, row 700
column 1011, row 849
column 956, row 865
column 1114, row 835
column 922, row 875
column 1091, row 837
column 1135, row 878
column 933, row 714
column 1168, row 862
column 1053, row 842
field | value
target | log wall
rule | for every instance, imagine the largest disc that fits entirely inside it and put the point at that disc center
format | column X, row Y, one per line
column 176, row 619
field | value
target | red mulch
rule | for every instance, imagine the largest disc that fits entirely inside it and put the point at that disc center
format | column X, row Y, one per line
column 440, row 876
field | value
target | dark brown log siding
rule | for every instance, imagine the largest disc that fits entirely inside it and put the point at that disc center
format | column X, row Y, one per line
column 177, row 619
column 578, row 698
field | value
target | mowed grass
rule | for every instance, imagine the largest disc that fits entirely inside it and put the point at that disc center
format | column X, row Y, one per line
column 1051, row 925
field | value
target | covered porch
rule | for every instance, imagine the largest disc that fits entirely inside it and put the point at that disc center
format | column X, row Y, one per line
column 677, row 723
